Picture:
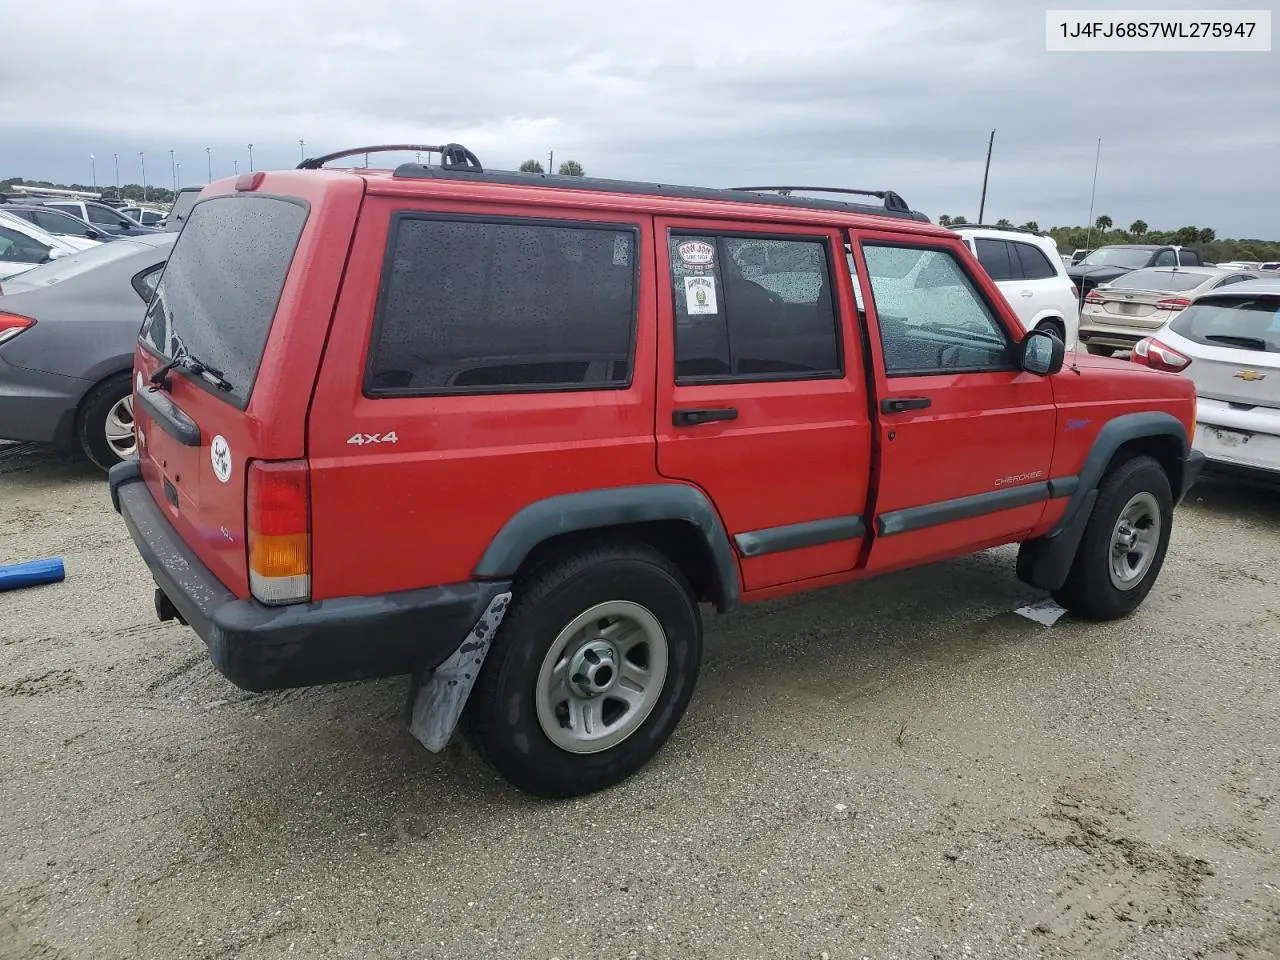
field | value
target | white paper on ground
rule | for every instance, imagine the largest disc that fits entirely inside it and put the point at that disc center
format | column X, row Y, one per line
column 1046, row 611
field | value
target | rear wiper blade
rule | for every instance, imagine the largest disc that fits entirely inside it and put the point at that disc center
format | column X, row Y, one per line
column 1249, row 343
column 193, row 365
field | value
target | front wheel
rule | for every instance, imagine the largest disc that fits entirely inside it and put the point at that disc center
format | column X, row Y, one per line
column 590, row 672
column 1124, row 543
column 105, row 423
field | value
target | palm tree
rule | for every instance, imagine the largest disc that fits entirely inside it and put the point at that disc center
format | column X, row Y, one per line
column 1103, row 223
column 1032, row 226
column 944, row 220
column 958, row 220
column 1004, row 222
column 1138, row 228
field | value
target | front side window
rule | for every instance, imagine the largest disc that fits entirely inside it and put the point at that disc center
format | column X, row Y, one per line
column 752, row 308
column 1035, row 265
column 58, row 223
column 1165, row 258
column 105, row 217
column 932, row 318
column 504, row 306
column 17, row 247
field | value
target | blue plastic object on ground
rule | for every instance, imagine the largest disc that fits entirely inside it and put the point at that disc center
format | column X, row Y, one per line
column 32, row 574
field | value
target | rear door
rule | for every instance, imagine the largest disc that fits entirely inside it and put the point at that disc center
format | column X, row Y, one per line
column 231, row 297
column 965, row 437
column 762, row 400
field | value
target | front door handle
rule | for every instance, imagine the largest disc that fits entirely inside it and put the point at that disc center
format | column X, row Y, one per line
column 692, row 417
column 900, row 404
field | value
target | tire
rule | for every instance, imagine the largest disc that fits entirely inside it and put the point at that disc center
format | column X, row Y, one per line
column 1095, row 589
column 1100, row 351
column 108, row 406
column 619, row 592
column 1055, row 327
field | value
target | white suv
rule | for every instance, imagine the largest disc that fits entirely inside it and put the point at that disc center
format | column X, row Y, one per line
column 1029, row 272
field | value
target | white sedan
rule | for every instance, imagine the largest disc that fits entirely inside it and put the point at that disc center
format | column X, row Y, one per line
column 1228, row 342
column 23, row 245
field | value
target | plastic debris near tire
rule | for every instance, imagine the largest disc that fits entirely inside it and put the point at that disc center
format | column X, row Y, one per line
column 34, row 573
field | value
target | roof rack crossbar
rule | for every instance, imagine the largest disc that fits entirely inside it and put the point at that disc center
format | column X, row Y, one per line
column 453, row 156
column 891, row 200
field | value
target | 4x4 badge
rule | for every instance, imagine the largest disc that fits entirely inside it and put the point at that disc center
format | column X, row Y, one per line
column 1249, row 375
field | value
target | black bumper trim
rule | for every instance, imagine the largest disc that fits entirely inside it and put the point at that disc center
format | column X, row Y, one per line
column 1192, row 467
column 328, row 641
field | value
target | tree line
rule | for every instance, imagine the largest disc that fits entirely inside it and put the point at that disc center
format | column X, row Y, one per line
column 133, row 192
column 1104, row 231
column 570, row 168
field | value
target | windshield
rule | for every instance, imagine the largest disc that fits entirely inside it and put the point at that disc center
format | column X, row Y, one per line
column 1161, row 281
column 72, row 265
column 1252, row 324
column 218, row 293
column 1117, row 257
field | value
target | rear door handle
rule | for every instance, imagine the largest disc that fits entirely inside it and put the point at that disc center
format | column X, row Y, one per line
column 1028, row 293
column 691, row 417
column 899, row 404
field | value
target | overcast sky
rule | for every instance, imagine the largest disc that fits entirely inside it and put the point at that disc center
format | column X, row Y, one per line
column 863, row 93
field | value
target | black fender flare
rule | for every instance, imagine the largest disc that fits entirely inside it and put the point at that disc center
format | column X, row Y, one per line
column 612, row 507
column 1046, row 561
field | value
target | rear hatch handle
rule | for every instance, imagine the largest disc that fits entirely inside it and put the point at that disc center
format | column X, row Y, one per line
column 168, row 417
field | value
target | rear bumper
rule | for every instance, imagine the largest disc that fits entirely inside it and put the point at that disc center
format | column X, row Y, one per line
column 273, row 648
column 37, row 406
column 1121, row 338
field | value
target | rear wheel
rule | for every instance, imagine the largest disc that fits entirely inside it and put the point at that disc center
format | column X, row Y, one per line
column 1055, row 327
column 105, row 422
column 590, row 672
column 1124, row 543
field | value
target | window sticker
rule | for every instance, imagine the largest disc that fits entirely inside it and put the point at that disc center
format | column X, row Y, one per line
column 700, row 296
column 696, row 253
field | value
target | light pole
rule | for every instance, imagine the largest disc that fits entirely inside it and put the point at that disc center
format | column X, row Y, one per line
column 302, row 149
column 235, row 167
column 117, row 156
column 142, row 159
column 208, row 155
column 177, row 172
column 173, row 168
column 251, row 158
column 93, row 172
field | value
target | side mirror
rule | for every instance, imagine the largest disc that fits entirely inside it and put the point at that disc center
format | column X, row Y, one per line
column 1042, row 353
column 54, row 254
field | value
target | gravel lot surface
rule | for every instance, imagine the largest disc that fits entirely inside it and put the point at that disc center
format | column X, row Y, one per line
column 898, row 769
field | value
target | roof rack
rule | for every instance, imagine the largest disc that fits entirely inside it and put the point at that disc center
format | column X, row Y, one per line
column 894, row 205
column 891, row 200
column 453, row 156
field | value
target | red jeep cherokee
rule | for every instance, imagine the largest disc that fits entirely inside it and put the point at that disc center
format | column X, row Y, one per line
column 505, row 432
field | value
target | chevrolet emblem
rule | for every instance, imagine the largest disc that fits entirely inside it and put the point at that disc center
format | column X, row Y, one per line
column 1250, row 375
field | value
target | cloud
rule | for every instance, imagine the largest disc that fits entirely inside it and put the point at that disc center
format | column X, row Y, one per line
column 861, row 93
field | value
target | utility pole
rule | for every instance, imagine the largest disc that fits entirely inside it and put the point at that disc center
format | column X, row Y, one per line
column 208, row 155
column 117, row 156
column 302, row 150
column 251, row 158
column 142, row 159
column 173, row 169
column 982, row 205
column 93, row 172
column 551, row 162
column 235, row 167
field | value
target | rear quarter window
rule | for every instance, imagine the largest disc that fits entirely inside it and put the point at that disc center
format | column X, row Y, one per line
column 218, row 294
column 503, row 306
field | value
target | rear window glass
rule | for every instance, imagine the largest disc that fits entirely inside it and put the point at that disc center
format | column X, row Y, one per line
column 73, row 264
column 182, row 205
column 1171, row 281
column 1232, row 322
column 219, row 292
column 473, row 307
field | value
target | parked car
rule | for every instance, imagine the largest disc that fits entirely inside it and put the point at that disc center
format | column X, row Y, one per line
column 182, row 204
column 1118, row 314
column 1107, row 263
column 1228, row 343
column 59, row 223
column 67, row 334
column 512, row 435
column 1270, row 266
column 1027, row 269
column 23, row 245
column 143, row 215
column 100, row 215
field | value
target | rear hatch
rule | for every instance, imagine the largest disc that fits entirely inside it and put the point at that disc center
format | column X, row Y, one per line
column 244, row 303
column 1236, row 349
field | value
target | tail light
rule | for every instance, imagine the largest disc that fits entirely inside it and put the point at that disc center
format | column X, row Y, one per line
column 1094, row 297
column 1173, row 303
column 11, row 325
column 279, row 532
column 1075, row 292
column 1149, row 352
